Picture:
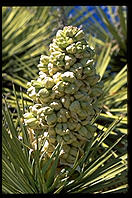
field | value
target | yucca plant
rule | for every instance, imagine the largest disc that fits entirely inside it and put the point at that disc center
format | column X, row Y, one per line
column 102, row 166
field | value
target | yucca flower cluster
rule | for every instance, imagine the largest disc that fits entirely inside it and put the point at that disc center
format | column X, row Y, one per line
column 66, row 96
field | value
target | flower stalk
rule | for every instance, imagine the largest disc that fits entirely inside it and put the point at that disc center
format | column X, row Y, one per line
column 66, row 95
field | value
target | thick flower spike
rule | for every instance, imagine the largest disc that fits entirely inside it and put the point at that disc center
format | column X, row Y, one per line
column 66, row 96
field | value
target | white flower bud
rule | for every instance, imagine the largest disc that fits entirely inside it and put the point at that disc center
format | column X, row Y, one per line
column 67, row 94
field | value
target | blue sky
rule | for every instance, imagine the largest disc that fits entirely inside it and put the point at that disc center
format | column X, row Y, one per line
column 92, row 8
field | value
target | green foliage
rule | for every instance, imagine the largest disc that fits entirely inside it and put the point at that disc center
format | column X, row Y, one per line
column 26, row 34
